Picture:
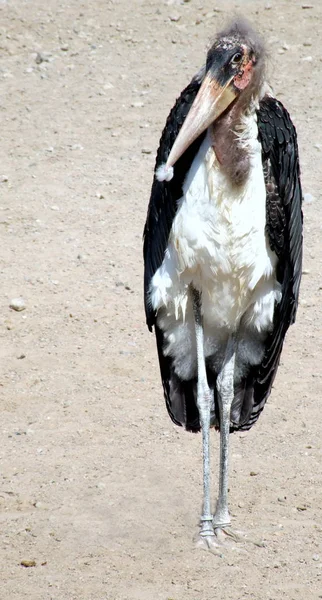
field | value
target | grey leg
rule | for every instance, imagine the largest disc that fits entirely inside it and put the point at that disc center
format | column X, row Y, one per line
column 204, row 401
column 225, row 388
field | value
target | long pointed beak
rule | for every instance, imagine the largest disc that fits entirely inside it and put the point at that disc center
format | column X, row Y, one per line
column 210, row 102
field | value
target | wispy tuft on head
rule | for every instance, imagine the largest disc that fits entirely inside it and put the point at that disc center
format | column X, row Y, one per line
column 242, row 31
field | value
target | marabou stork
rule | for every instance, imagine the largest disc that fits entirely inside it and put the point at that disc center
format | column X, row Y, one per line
column 223, row 250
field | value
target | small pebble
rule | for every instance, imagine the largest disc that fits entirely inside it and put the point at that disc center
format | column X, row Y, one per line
column 146, row 151
column 17, row 304
column 28, row 563
column 42, row 57
column 253, row 473
column 41, row 505
column 316, row 557
column 101, row 485
column 108, row 86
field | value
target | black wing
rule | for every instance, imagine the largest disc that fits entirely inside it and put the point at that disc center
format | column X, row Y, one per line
column 284, row 229
column 165, row 195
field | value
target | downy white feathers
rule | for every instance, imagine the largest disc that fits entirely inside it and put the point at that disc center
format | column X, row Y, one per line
column 218, row 244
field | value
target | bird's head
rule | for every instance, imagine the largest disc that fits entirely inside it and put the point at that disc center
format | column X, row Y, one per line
column 233, row 74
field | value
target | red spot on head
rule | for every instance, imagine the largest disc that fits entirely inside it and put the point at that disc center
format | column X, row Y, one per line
column 242, row 79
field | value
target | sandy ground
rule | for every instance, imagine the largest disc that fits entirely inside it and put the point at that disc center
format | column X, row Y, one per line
column 98, row 489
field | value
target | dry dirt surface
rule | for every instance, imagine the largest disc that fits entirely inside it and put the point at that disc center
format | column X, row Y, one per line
column 100, row 494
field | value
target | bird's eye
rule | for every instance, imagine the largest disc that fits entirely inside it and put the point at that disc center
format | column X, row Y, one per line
column 236, row 58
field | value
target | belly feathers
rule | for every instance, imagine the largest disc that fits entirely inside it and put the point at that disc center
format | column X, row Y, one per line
column 217, row 244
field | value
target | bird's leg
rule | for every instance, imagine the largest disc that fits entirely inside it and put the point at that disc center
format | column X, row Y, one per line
column 225, row 388
column 206, row 536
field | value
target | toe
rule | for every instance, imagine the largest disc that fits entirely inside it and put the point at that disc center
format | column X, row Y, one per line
column 208, row 542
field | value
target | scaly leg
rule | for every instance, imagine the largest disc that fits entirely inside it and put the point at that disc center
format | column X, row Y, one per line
column 225, row 388
column 206, row 538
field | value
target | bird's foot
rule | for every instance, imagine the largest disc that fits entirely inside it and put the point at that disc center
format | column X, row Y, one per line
column 208, row 542
column 226, row 533
column 206, row 539
column 215, row 538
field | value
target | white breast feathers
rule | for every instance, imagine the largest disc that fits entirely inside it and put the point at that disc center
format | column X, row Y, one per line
column 218, row 244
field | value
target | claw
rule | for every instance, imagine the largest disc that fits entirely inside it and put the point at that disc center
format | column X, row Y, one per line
column 208, row 542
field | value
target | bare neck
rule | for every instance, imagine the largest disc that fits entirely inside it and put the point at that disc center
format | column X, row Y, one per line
column 232, row 156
